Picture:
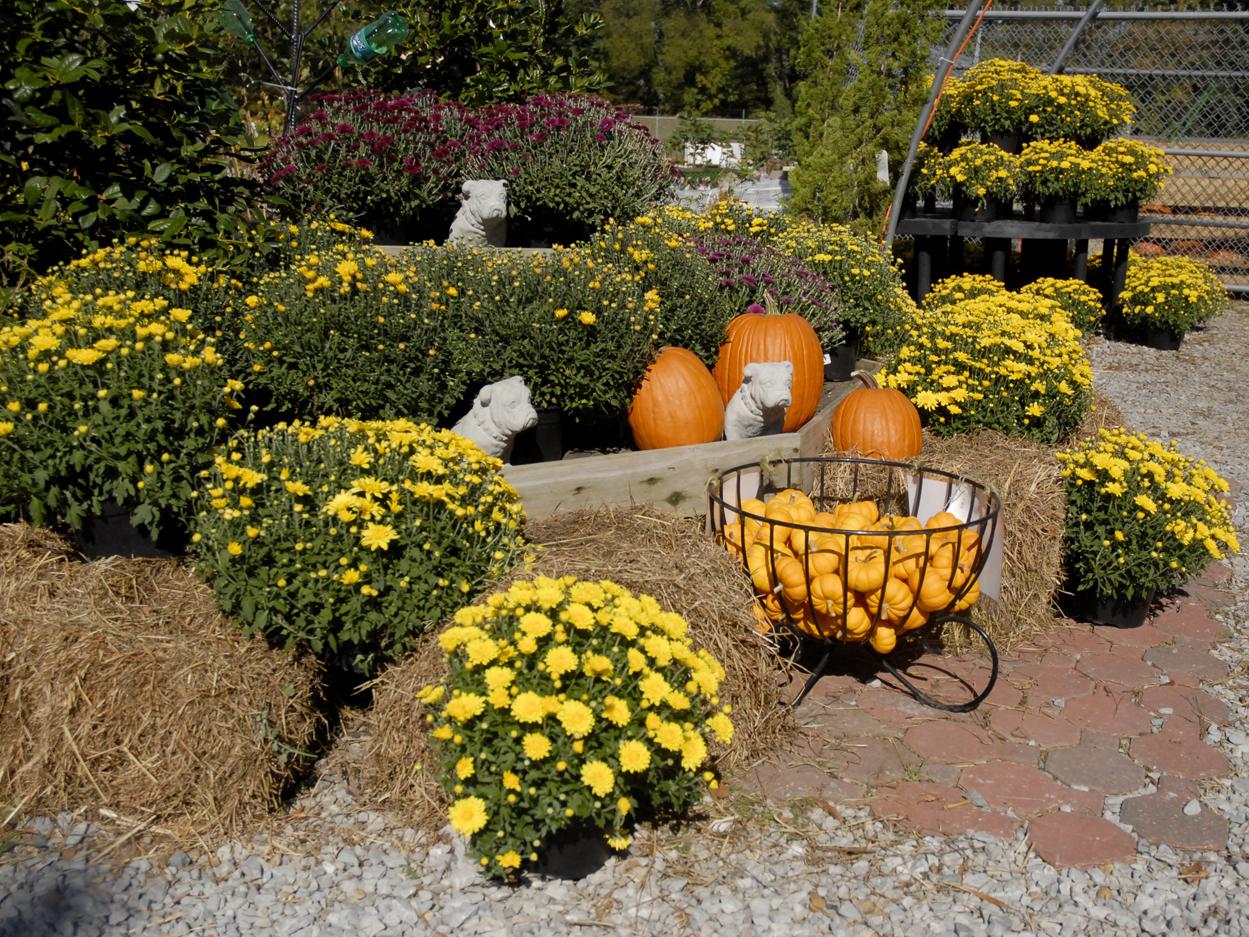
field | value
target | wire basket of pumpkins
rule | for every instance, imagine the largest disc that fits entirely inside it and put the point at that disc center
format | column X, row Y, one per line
column 852, row 551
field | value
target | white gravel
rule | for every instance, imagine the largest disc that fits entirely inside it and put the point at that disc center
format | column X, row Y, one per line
column 340, row 870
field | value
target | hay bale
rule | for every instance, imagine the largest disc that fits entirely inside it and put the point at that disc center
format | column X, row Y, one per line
column 384, row 751
column 124, row 690
column 1025, row 475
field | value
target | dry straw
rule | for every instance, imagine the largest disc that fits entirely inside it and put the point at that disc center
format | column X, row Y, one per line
column 646, row 551
column 123, row 691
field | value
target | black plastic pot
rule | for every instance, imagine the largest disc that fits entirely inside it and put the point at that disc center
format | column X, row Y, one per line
column 1100, row 610
column 111, row 533
column 573, row 853
column 840, row 360
column 1058, row 211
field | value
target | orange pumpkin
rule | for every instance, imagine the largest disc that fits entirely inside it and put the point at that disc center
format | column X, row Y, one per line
column 774, row 336
column 877, row 422
column 677, row 403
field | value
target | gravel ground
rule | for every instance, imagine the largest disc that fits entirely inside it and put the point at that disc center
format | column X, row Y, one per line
column 333, row 869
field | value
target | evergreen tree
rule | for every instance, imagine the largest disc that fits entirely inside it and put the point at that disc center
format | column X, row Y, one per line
column 866, row 73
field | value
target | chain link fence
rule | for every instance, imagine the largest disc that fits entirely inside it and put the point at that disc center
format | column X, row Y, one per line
column 1188, row 72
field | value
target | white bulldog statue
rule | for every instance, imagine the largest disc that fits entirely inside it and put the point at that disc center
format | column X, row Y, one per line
column 482, row 218
column 758, row 408
column 500, row 411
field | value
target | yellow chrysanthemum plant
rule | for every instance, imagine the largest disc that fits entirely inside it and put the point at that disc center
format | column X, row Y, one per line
column 1081, row 302
column 1142, row 517
column 979, row 173
column 110, row 393
column 1054, row 169
column 963, row 286
column 351, row 539
column 1125, row 171
column 1003, row 361
column 1169, row 293
column 571, row 705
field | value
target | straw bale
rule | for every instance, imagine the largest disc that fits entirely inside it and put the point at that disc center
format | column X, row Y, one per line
column 643, row 550
column 123, row 690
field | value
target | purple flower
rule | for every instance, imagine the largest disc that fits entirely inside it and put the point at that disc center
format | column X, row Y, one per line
column 755, row 308
column 283, row 173
column 748, row 280
column 344, row 128
column 606, row 124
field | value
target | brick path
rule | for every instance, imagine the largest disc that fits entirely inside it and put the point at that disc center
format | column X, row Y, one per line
column 1086, row 714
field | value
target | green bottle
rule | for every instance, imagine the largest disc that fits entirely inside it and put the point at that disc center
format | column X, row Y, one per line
column 378, row 38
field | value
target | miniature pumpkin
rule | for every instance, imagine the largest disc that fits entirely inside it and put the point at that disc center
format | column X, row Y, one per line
column 774, row 336
column 677, row 403
column 877, row 422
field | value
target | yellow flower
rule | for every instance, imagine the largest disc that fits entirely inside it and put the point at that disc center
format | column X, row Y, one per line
column 509, row 859
column 511, row 781
column 466, row 706
column 668, row 735
column 616, row 710
column 576, row 718
column 535, row 624
column 634, row 756
column 587, row 318
column 598, row 777
column 6, row 428
column 378, row 536
column 464, row 768
column 481, row 651
column 693, row 750
column 561, row 313
column 234, row 548
column 536, row 746
column 528, row 707
column 721, row 727
column 498, row 678
column 560, row 660
column 654, row 688
column 431, row 694
column 85, row 356
column 468, row 815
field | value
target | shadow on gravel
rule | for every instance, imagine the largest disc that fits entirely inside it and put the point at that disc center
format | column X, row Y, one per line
column 53, row 899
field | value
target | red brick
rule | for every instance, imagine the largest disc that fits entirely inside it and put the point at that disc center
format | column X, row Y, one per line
column 894, row 706
column 1187, row 662
column 1160, row 819
column 788, row 781
column 1185, row 702
column 1108, row 712
column 1176, row 749
column 1042, row 682
column 1080, row 639
column 1069, row 839
column 1123, row 668
column 1190, row 620
column 1146, row 636
column 836, row 720
column 938, row 808
column 1097, row 767
column 879, row 761
column 951, row 742
column 1216, row 573
column 1045, row 730
column 1003, row 694
column 1025, row 791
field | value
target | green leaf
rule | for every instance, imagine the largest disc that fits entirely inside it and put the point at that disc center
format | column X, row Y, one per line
column 162, row 172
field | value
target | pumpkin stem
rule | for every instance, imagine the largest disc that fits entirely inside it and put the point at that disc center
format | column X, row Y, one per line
column 769, row 305
column 868, row 379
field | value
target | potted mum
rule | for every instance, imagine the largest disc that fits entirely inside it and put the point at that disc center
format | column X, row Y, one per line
column 570, row 708
column 1142, row 518
column 994, row 97
column 1054, row 174
column 1124, row 173
column 113, row 401
column 1164, row 297
column 350, row 539
column 980, row 177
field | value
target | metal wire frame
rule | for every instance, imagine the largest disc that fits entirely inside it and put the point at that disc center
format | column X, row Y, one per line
column 904, row 493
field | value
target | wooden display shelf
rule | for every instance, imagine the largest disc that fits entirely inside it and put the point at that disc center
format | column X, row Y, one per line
column 672, row 479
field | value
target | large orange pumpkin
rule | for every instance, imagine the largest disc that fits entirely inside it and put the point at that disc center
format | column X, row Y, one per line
column 877, row 422
column 774, row 336
column 677, row 404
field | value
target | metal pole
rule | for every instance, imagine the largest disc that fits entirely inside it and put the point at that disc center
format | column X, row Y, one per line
column 297, row 49
column 1089, row 15
column 943, row 69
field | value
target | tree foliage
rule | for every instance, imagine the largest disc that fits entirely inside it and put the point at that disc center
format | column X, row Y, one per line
column 866, row 74
column 112, row 120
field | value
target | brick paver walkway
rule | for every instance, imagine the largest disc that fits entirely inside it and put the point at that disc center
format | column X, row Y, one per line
column 1088, row 713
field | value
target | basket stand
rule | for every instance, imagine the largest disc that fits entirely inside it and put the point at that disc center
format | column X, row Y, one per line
column 821, row 669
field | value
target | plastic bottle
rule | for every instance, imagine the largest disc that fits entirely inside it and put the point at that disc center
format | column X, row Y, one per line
column 378, row 38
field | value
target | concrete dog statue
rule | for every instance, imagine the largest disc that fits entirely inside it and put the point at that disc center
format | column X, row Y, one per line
column 499, row 412
column 482, row 218
column 758, row 407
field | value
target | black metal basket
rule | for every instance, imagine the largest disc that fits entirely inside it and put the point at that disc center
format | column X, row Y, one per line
column 852, row 564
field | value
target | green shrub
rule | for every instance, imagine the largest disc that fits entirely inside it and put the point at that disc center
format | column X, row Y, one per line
column 110, row 393
column 113, row 120
column 352, row 539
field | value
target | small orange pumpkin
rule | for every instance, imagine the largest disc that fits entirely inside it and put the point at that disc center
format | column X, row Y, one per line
column 677, row 404
column 774, row 336
column 877, row 422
